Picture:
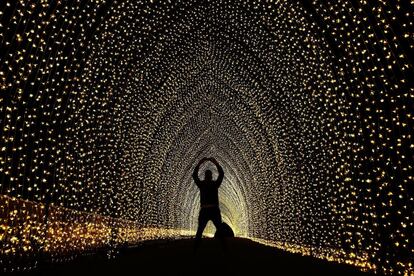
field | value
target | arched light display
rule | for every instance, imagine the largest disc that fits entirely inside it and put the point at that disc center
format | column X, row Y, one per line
column 106, row 106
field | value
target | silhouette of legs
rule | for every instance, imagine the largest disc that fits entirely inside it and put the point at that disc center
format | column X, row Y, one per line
column 202, row 223
column 216, row 218
column 206, row 214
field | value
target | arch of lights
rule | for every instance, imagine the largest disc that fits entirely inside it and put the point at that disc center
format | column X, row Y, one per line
column 106, row 106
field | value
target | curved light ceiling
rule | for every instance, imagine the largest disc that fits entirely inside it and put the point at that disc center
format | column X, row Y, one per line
column 107, row 106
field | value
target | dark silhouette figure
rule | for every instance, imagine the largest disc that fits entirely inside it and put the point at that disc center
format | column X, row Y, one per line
column 209, row 202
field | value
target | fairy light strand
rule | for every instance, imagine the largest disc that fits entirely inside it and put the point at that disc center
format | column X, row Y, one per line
column 106, row 107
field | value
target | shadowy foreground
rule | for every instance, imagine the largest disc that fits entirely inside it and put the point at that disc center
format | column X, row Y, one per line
column 175, row 257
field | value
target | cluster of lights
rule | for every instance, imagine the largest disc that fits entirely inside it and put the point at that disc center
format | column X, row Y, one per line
column 27, row 237
column 106, row 106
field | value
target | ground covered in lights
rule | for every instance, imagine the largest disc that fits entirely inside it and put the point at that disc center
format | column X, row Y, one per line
column 176, row 257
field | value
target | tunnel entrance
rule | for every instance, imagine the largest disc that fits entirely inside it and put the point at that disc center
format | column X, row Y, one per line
column 106, row 107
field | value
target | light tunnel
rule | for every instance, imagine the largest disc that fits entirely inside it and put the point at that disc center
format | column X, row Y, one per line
column 107, row 106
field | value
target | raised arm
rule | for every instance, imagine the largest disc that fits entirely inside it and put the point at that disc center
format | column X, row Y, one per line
column 196, row 169
column 219, row 170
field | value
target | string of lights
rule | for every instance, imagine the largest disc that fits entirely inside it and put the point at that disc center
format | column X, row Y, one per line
column 106, row 107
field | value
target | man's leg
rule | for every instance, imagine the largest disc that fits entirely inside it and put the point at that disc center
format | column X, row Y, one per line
column 202, row 222
column 216, row 218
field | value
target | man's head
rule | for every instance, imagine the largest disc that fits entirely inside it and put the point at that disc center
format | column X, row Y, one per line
column 208, row 175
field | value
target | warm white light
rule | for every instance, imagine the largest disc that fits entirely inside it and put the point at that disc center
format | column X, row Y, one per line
column 106, row 106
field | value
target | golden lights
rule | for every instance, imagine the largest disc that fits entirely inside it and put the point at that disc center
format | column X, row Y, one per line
column 106, row 106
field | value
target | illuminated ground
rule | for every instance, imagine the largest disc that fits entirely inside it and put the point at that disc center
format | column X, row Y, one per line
column 243, row 257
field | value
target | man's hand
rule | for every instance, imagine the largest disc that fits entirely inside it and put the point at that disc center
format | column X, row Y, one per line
column 212, row 159
column 204, row 159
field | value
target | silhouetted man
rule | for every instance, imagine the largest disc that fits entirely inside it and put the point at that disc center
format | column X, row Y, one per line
column 209, row 202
